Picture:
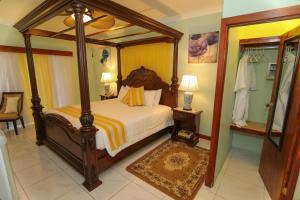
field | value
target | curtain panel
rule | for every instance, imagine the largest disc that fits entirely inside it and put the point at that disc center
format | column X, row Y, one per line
column 157, row 57
column 55, row 77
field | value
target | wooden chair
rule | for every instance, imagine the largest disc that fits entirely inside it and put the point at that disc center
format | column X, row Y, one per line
column 12, row 117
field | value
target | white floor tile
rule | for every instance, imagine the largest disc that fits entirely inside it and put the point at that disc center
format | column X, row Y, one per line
column 232, row 188
column 28, row 160
column 76, row 193
column 20, row 191
column 204, row 194
column 37, row 173
column 112, row 182
column 51, row 188
column 43, row 175
column 134, row 192
column 149, row 188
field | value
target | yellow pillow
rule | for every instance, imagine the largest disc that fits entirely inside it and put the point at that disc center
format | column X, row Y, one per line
column 11, row 105
column 136, row 96
column 125, row 99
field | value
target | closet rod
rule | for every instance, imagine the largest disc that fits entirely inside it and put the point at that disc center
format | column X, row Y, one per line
column 259, row 48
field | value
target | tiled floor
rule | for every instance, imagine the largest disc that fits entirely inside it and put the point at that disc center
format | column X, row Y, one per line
column 42, row 175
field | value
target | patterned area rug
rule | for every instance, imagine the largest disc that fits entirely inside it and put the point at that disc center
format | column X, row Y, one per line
column 174, row 168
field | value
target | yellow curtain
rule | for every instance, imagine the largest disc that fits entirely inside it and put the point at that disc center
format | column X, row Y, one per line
column 43, row 78
column 157, row 57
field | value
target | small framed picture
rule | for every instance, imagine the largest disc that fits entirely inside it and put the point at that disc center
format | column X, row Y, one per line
column 271, row 71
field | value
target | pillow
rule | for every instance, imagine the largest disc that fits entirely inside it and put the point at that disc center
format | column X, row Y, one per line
column 125, row 98
column 11, row 105
column 149, row 96
column 123, row 91
column 157, row 97
column 136, row 96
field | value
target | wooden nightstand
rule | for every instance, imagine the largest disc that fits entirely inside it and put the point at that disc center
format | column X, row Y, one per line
column 103, row 97
column 187, row 120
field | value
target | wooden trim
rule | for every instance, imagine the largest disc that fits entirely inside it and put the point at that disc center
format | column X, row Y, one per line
column 205, row 137
column 35, row 51
column 37, row 108
column 255, row 18
column 51, row 8
column 45, row 11
column 295, row 169
column 43, row 33
column 87, row 130
column 132, row 17
column 124, row 36
column 174, row 85
column 151, row 40
column 119, row 82
column 110, row 30
column 260, row 41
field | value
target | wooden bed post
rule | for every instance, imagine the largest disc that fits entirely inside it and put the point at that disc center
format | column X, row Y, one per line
column 37, row 108
column 175, row 69
column 87, row 131
column 119, row 82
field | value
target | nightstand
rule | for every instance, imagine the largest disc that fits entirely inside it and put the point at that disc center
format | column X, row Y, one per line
column 188, row 120
column 103, row 97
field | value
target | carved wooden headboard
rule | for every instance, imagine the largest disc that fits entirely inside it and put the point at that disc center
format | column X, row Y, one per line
column 151, row 81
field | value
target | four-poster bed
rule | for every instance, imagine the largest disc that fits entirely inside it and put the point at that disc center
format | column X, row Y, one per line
column 78, row 145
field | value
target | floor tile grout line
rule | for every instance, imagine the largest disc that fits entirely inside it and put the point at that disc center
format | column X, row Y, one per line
column 80, row 185
column 117, row 192
column 22, row 187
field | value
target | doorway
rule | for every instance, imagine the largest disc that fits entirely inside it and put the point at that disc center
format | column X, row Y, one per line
column 227, row 25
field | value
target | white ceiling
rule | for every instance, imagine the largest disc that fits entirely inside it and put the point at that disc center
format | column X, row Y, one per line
column 13, row 10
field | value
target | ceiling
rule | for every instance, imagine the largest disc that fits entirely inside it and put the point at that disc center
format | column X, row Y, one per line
column 163, row 10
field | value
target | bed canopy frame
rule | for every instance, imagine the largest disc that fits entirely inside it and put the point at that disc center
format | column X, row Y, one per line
column 78, row 146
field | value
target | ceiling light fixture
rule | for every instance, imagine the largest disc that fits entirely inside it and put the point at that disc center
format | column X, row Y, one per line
column 86, row 17
column 104, row 21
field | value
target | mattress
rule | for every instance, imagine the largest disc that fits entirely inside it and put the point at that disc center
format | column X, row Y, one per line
column 139, row 121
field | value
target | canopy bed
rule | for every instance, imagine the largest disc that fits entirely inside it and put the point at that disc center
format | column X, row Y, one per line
column 78, row 145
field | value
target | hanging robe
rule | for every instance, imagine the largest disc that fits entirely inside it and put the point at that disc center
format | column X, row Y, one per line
column 283, row 93
column 245, row 82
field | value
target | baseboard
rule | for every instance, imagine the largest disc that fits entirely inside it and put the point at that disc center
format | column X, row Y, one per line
column 19, row 125
column 205, row 137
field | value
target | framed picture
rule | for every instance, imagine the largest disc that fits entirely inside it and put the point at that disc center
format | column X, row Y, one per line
column 271, row 71
column 203, row 47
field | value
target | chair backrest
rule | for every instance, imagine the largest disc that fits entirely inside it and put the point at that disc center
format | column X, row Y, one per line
column 12, row 94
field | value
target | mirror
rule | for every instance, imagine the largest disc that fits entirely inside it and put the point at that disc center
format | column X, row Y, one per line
column 288, row 65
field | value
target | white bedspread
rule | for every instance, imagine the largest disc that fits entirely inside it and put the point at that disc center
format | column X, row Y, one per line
column 139, row 121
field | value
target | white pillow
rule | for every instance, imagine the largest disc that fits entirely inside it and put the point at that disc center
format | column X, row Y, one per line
column 157, row 97
column 123, row 92
column 11, row 105
column 149, row 96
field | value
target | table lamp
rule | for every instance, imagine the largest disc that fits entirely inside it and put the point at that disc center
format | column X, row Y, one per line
column 188, row 84
column 106, row 78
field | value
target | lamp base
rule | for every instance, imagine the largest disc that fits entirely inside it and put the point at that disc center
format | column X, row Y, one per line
column 188, row 98
column 106, row 89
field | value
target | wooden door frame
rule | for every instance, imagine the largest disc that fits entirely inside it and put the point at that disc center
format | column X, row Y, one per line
column 248, row 19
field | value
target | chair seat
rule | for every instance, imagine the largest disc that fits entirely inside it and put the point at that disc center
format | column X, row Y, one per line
column 8, row 116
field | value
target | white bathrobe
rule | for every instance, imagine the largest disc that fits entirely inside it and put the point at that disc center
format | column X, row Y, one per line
column 283, row 93
column 245, row 82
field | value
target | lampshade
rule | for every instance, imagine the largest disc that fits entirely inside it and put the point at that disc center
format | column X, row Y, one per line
column 106, row 77
column 189, row 83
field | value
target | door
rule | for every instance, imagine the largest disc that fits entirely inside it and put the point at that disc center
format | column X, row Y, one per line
column 282, row 121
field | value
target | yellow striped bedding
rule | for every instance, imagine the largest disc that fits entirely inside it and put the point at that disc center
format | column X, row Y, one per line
column 113, row 128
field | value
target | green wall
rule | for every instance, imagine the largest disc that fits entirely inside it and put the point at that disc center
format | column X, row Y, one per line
column 206, row 72
column 241, row 7
column 262, row 95
column 297, row 190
